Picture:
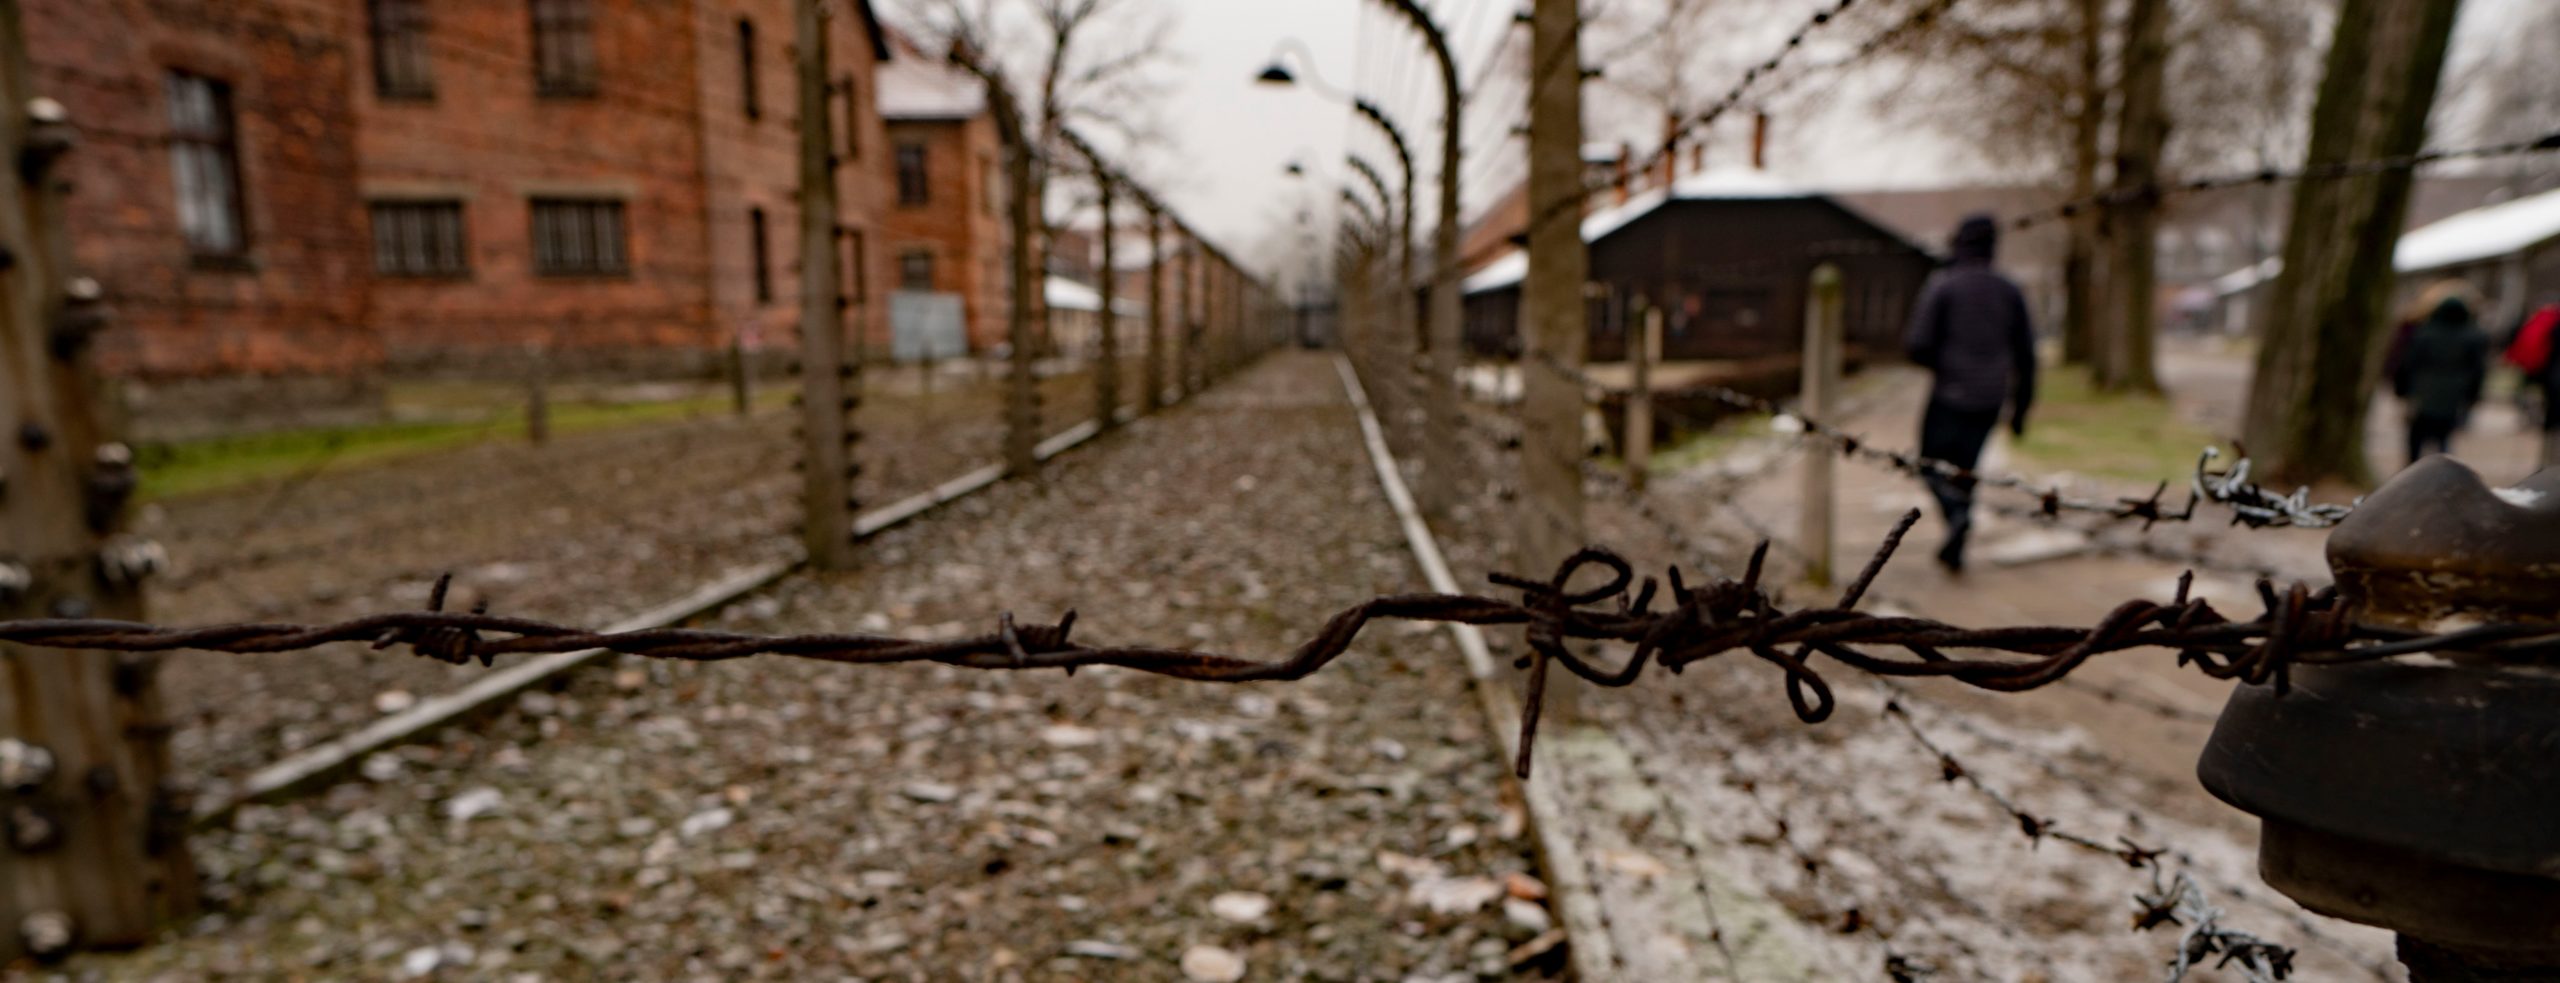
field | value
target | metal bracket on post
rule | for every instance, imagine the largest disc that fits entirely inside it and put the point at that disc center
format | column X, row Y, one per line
column 2420, row 796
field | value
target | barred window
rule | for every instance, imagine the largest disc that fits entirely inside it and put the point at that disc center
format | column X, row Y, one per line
column 578, row 237
column 419, row 238
column 763, row 255
column 749, row 88
column 913, row 190
column 564, row 47
column 400, row 63
column 915, row 270
column 204, row 160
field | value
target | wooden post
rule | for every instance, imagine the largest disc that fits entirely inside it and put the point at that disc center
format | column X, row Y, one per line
column 1819, row 396
column 1106, row 375
column 1151, row 385
column 826, row 465
column 96, row 852
column 1642, row 351
column 537, row 396
column 1187, row 337
column 741, row 389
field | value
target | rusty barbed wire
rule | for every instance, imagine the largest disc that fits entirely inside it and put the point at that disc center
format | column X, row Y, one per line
column 2251, row 505
column 2325, row 171
column 2299, row 626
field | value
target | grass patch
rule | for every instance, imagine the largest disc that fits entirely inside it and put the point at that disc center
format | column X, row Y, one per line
column 1696, row 448
column 196, row 467
column 2128, row 436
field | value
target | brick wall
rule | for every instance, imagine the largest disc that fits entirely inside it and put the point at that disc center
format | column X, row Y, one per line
column 489, row 139
column 753, row 164
column 962, row 224
column 292, row 301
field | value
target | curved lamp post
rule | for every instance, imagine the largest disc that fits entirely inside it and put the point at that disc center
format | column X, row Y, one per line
column 1440, row 341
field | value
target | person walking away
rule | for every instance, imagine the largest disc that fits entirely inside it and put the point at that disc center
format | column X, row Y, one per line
column 2439, row 375
column 1972, row 333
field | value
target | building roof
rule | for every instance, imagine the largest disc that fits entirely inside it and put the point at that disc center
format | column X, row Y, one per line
column 1731, row 184
column 925, row 89
column 1067, row 295
column 2481, row 233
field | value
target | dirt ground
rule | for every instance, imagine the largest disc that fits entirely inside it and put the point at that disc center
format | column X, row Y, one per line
column 589, row 528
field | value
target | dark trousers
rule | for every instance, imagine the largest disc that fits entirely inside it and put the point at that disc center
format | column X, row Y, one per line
column 2431, row 432
column 1955, row 435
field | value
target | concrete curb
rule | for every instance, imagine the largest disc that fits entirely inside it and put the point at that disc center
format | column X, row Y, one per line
column 1577, row 902
column 320, row 763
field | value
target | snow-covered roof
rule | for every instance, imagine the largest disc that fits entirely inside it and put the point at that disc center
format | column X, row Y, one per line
column 1732, row 184
column 925, row 89
column 2481, row 233
column 1068, row 295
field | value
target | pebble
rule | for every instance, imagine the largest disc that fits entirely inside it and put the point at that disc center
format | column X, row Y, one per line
column 1098, row 949
column 1524, row 887
column 473, row 804
column 393, row 701
column 1240, row 906
column 706, row 821
column 1210, row 964
column 1525, row 915
column 930, row 791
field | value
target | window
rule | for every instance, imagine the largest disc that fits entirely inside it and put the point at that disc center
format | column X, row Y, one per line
column 989, row 184
column 912, row 190
column 852, row 117
column 858, row 257
column 419, row 238
column 400, row 65
column 763, row 255
column 564, row 47
column 747, row 84
column 204, row 158
column 915, row 270
column 578, row 237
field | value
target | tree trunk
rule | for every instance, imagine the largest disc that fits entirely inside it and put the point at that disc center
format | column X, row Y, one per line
column 2079, row 256
column 2325, row 315
column 2133, row 216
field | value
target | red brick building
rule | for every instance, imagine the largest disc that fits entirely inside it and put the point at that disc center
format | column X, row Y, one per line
column 213, row 191
column 944, row 219
column 621, row 175
column 327, row 187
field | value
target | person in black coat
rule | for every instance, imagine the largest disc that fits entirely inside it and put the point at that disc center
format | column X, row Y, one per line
column 2439, row 373
column 1972, row 333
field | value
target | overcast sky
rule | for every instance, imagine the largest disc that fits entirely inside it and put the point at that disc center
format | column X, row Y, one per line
column 1232, row 139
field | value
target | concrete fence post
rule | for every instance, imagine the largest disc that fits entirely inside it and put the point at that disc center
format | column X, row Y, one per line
column 1644, row 347
column 1815, row 400
column 95, row 854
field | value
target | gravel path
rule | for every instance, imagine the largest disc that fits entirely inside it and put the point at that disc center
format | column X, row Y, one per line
column 591, row 528
column 771, row 819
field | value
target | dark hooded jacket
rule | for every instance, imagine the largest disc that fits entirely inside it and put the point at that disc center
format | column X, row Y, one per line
column 2444, row 364
column 1971, row 330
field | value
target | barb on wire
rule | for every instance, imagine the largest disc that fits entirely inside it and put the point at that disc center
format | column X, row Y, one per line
column 2298, row 626
column 2182, row 903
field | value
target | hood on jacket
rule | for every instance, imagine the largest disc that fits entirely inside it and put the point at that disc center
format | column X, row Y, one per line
column 1976, row 238
column 2451, row 311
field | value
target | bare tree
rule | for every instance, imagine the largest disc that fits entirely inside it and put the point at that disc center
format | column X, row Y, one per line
column 2032, row 86
column 2316, row 348
column 2502, row 88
